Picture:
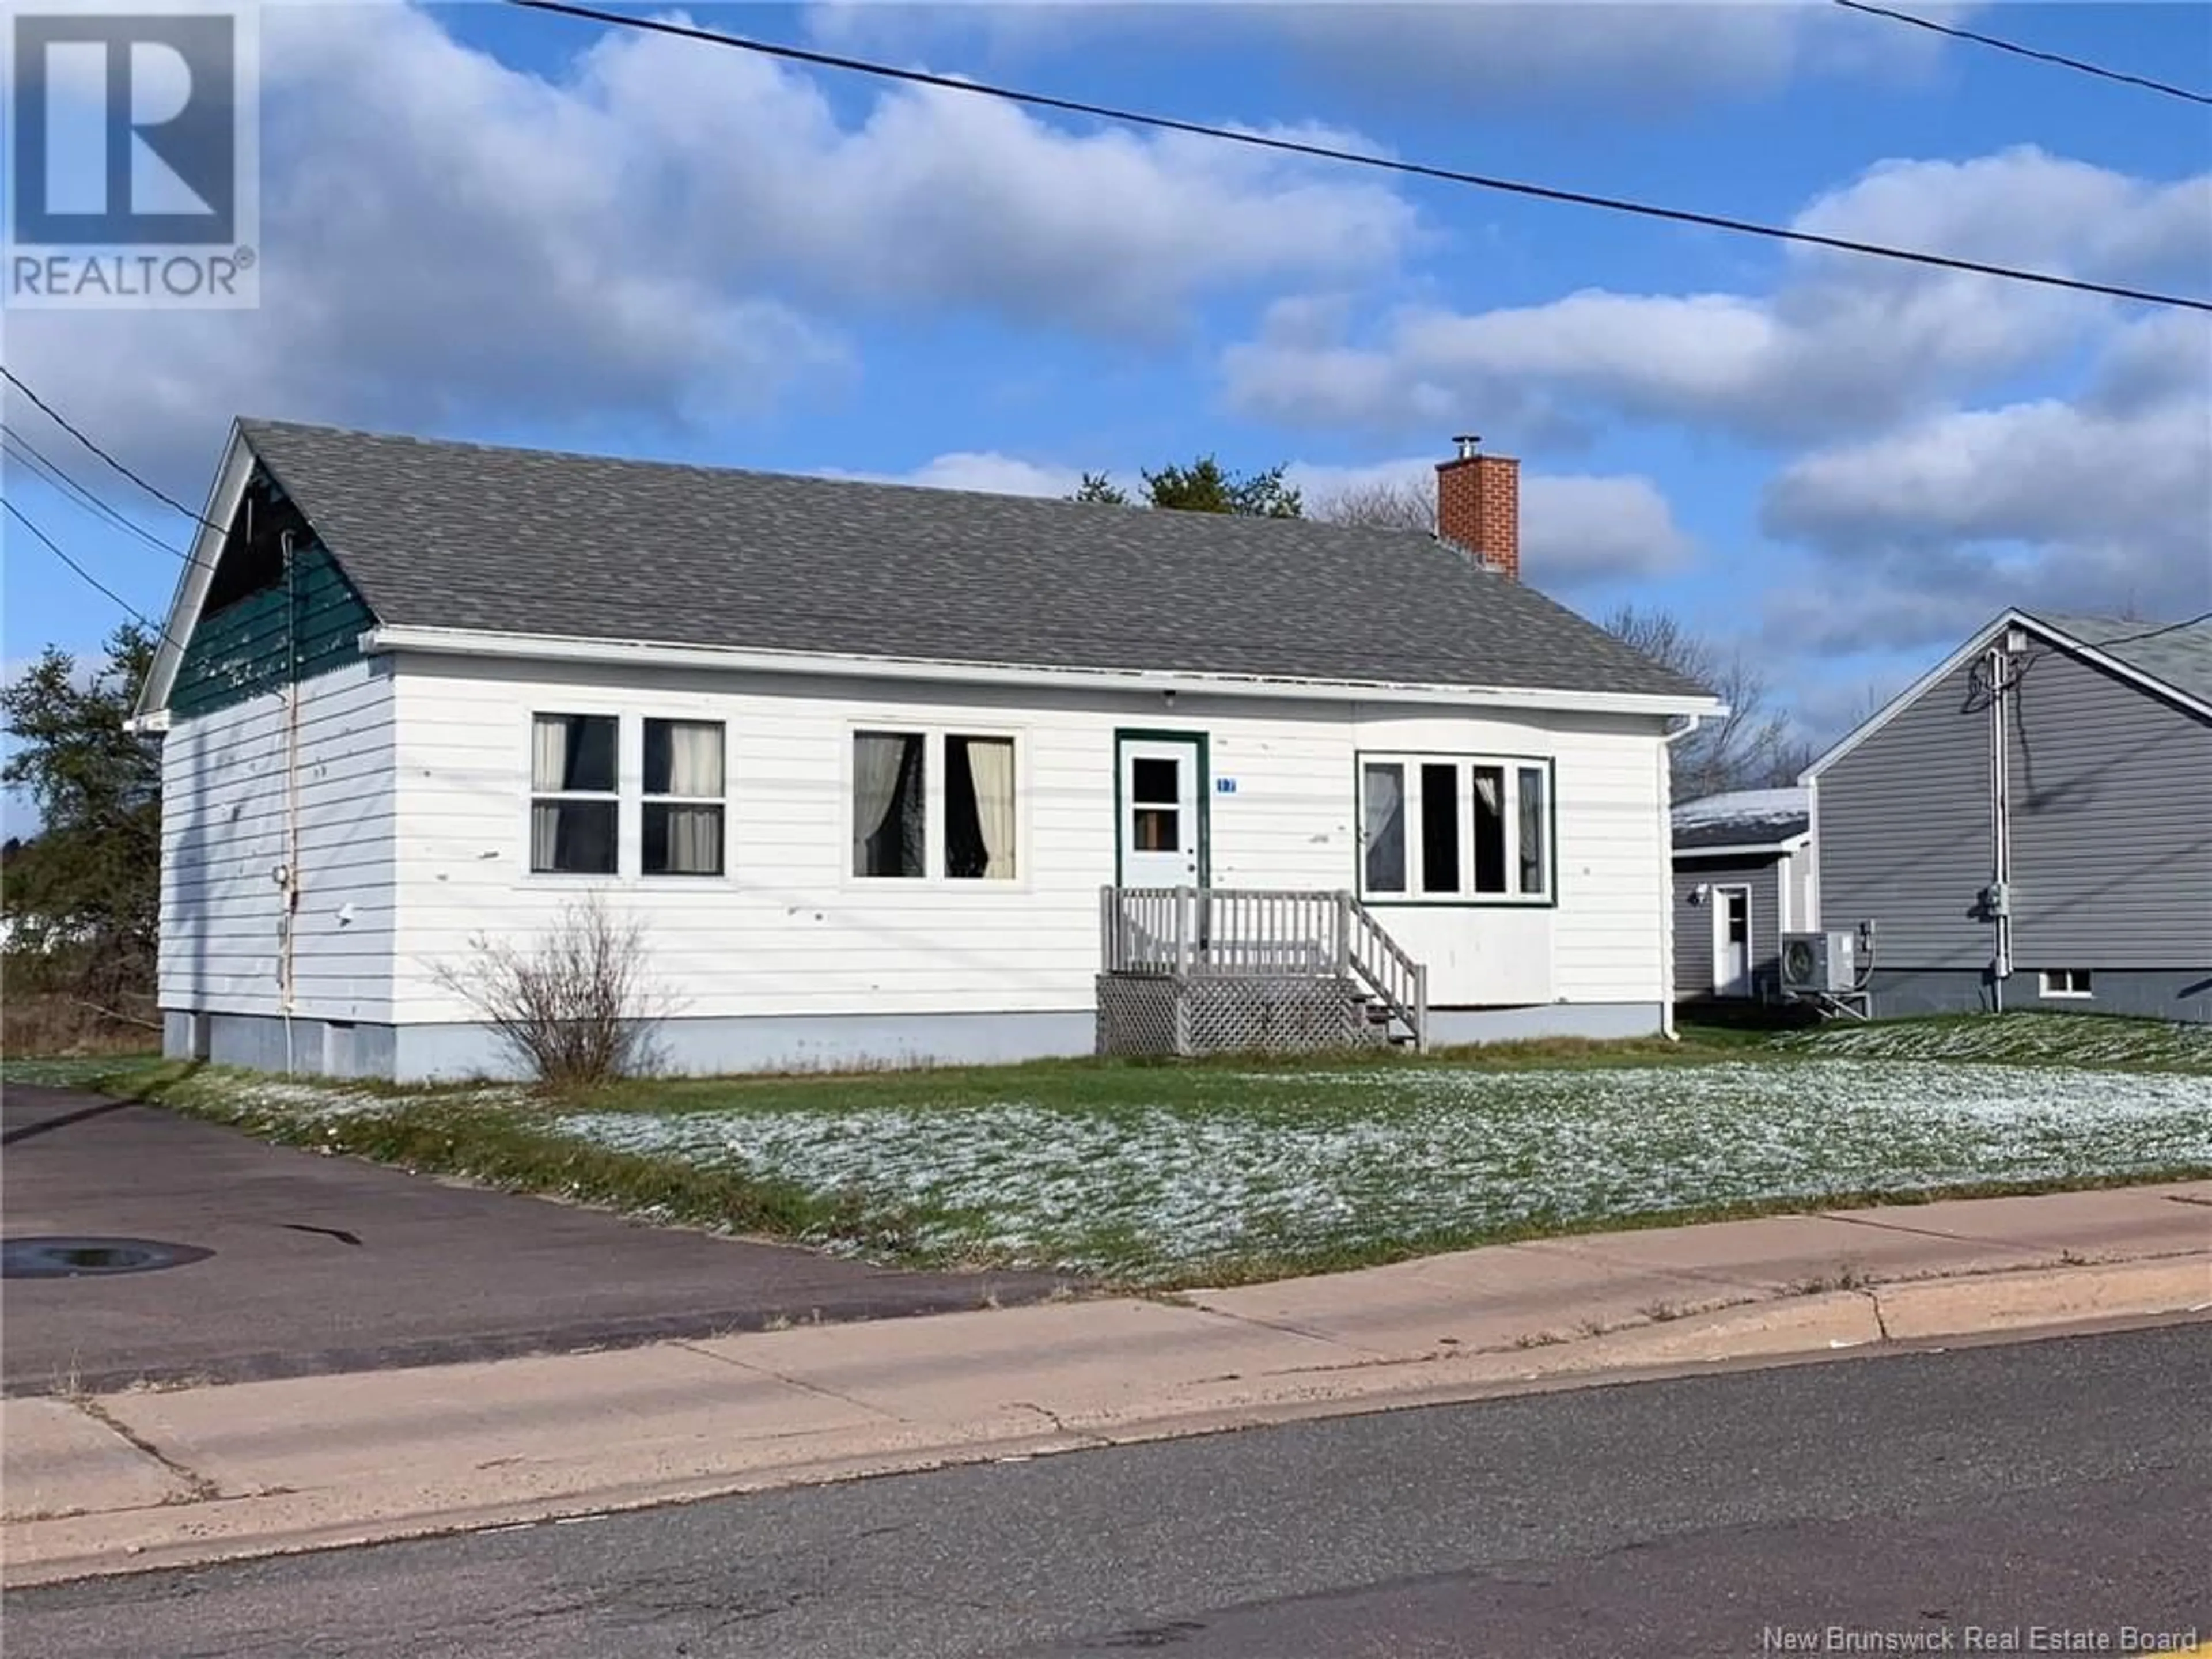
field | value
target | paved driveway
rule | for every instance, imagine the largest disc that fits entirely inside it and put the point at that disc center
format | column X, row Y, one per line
column 325, row 1264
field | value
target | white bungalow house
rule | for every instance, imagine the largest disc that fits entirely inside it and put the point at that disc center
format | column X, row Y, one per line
column 888, row 773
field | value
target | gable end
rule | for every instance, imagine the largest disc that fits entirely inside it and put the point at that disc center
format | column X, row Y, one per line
column 258, row 614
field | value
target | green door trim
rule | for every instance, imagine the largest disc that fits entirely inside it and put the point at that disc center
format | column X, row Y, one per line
column 1153, row 734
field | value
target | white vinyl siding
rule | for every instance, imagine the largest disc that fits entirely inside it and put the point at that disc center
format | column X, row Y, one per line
column 225, row 815
column 793, row 931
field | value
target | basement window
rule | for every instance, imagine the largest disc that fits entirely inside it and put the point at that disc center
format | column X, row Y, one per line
column 574, row 809
column 2066, row 982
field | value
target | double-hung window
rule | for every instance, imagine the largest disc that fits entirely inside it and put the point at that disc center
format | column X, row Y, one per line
column 680, row 828
column 1455, row 827
column 933, row 804
column 587, row 805
column 575, row 808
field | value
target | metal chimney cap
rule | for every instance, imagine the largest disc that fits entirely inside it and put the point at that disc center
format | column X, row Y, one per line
column 1466, row 443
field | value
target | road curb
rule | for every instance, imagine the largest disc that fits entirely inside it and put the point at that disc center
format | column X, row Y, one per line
column 1826, row 1325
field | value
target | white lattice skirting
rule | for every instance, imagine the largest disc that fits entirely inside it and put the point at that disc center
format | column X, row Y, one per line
column 1162, row 1014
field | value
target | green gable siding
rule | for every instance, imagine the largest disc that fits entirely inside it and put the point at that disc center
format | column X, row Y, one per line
column 238, row 653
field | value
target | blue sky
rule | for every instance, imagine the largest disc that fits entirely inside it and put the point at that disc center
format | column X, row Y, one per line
column 519, row 229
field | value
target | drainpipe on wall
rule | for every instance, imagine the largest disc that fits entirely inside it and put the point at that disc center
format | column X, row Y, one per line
column 1667, row 742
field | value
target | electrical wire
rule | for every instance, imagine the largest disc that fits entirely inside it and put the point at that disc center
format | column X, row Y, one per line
column 2079, row 65
column 59, row 420
column 55, row 548
column 1353, row 158
column 2152, row 633
column 45, row 468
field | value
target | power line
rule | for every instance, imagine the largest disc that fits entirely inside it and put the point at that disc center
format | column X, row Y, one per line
column 54, row 547
column 59, row 420
column 1353, row 158
column 45, row 466
column 2152, row 633
column 2019, row 51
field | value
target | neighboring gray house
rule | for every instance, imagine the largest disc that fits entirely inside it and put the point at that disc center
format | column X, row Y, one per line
column 1743, row 877
column 2030, row 823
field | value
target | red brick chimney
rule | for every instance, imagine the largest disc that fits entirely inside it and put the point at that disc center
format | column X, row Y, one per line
column 1479, row 506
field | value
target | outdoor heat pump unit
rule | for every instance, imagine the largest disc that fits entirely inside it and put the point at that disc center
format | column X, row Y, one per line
column 1820, row 963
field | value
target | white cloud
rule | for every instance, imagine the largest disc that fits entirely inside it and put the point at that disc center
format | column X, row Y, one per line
column 1844, row 343
column 986, row 469
column 1639, row 57
column 656, row 236
column 2105, row 505
column 1575, row 529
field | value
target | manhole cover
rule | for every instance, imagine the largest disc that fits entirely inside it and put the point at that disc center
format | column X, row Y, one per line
column 84, row 1258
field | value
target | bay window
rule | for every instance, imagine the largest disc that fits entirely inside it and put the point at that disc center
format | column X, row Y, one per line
column 1446, row 828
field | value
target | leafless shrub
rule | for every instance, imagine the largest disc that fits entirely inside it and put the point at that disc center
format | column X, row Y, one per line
column 1382, row 504
column 576, row 1005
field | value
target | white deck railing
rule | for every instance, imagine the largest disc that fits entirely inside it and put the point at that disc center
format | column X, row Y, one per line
column 1223, row 932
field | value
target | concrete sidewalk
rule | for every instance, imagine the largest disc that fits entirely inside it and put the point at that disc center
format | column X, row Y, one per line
column 150, row 1478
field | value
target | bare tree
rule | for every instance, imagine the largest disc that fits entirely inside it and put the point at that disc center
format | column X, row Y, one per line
column 1381, row 505
column 1753, row 746
column 576, row 1005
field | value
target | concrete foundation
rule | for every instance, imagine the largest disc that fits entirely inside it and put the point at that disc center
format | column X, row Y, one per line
column 2155, row 993
column 446, row 1053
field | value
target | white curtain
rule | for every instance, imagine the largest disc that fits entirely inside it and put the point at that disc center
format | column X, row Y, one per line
column 695, row 759
column 549, row 769
column 1384, row 827
column 549, row 753
column 876, row 761
column 991, row 770
column 1490, row 791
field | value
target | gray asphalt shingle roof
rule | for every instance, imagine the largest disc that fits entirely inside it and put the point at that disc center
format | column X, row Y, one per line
column 531, row 542
column 2180, row 657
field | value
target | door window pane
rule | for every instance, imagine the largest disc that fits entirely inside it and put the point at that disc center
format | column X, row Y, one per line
column 1157, row 830
column 1535, row 827
column 1440, row 829
column 1155, row 779
column 1383, row 823
column 889, row 804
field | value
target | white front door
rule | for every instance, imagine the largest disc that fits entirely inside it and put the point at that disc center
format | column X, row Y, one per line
column 1732, row 941
column 1163, row 830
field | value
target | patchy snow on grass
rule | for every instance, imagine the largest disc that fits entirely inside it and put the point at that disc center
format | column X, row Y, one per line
column 315, row 1100
column 1289, row 1164
column 2021, row 1038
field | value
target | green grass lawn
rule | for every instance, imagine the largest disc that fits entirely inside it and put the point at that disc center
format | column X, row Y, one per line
column 1162, row 1175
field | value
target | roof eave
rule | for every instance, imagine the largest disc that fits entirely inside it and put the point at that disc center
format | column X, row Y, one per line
column 2014, row 617
column 1747, row 848
column 651, row 653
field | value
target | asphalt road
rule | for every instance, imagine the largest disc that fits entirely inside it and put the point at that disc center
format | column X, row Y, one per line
column 2065, row 1485
column 328, row 1264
